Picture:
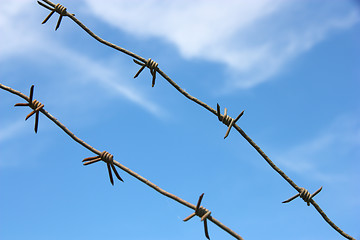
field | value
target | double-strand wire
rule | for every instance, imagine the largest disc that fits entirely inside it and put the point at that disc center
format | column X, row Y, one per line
column 210, row 109
column 119, row 165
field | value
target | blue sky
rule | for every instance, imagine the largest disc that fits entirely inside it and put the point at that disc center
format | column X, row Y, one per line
column 291, row 65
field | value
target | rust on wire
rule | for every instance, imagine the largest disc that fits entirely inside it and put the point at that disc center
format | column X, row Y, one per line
column 152, row 65
column 227, row 120
column 35, row 105
column 201, row 212
column 305, row 195
column 109, row 159
column 60, row 9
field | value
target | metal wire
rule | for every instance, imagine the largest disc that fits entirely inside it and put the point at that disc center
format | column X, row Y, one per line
column 108, row 158
column 153, row 66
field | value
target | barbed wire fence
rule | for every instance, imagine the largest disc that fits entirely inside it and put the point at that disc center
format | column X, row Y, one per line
column 108, row 158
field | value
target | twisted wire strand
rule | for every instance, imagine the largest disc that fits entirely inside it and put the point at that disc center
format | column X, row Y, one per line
column 60, row 9
column 210, row 109
column 304, row 195
column 227, row 120
column 119, row 165
column 201, row 212
column 35, row 105
column 109, row 159
column 152, row 65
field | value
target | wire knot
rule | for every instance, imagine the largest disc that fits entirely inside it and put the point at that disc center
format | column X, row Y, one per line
column 109, row 159
column 151, row 64
column 60, row 9
column 33, row 104
column 304, row 195
column 227, row 120
column 201, row 212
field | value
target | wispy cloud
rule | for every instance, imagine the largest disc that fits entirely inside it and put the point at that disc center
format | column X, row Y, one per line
column 22, row 37
column 335, row 144
column 16, row 36
column 253, row 39
column 11, row 130
column 106, row 76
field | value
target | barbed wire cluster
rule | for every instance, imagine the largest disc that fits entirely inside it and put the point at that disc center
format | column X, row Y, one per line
column 153, row 66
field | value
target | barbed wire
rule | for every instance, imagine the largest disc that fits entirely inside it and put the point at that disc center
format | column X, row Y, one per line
column 227, row 120
column 109, row 160
column 230, row 122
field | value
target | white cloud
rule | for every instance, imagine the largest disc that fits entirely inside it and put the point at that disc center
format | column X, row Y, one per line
column 21, row 37
column 254, row 39
column 110, row 79
column 11, row 130
column 337, row 144
column 16, row 36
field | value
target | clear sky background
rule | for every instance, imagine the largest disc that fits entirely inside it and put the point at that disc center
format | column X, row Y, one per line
column 293, row 66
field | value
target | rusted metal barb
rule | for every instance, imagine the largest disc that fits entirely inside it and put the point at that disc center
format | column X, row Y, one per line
column 152, row 65
column 203, row 213
column 60, row 9
column 109, row 159
column 35, row 105
column 305, row 195
column 227, row 120
column 122, row 167
column 207, row 107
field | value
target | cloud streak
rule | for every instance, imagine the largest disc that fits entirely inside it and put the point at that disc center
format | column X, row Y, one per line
column 11, row 130
column 22, row 38
column 254, row 39
column 337, row 143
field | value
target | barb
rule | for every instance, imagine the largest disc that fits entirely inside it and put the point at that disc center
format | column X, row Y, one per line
column 305, row 195
column 203, row 213
column 106, row 157
column 35, row 105
column 60, row 9
column 109, row 159
column 152, row 65
column 210, row 109
column 227, row 120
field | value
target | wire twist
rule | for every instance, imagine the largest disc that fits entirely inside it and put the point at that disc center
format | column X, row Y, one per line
column 109, row 159
column 35, row 105
column 152, row 65
column 60, row 9
column 304, row 195
column 227, row 120
column 187, row 95
column 201, row 212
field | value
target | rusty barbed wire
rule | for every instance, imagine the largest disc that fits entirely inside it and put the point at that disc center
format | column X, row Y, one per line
column 217, row 113
column 152, row 65
column 108, row 158
column 60, row 9
column 305, row 195
column 201, row 212
column 227, row 120
column 35, row 105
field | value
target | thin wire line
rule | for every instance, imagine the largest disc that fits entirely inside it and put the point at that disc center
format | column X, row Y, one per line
column 187, row 95
column 119, row 165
